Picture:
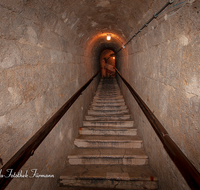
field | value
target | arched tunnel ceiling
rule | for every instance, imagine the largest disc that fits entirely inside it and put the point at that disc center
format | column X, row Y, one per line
column 88, row 18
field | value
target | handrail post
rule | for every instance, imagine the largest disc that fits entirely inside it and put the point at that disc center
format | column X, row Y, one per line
column 188, row 171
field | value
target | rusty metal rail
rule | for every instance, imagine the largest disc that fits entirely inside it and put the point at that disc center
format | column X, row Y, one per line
column 20, row 158
column 188, row 171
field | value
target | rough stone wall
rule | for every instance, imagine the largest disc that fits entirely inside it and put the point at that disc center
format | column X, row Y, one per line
column 50, row 48
column 41, row 67
column 164, row 68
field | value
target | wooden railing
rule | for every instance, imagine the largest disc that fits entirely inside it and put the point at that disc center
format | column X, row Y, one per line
column 188, row 171
column 20, row 158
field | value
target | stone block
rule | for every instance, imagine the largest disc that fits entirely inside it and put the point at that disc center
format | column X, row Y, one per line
column 179, row 22
column 58, row 6
column 31, row 81
column 194, row 16
column 50, row 39
column 165, row 28
column 14, row 5
column 44, row 55
column 154, row 37
column 50, row 21
column 32, row 34
column 58, row 57
column 48, row 3
column 32, row 14
column 12, row 25
column 20, row 127
column 61, row 28
column 10, row 54
column 9, row 98
column 30, row 54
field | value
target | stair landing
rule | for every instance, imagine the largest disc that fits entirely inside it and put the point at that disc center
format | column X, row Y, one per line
column 108, row 153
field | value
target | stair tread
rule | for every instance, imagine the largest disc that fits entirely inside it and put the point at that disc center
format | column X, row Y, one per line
column 119, row 172
column 108, row 128
column 111, row 121
column 84, row 188
column 107, row 118
column 94, row 130
column 107, row 152
column 119, row 123
column 125, row 109
column 108, row 138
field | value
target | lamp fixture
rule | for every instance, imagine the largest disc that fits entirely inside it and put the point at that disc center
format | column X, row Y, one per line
column 108, row 37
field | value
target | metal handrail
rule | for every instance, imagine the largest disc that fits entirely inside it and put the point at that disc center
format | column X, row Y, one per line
column 26, row 151
column 155, row 15
column 188, row 171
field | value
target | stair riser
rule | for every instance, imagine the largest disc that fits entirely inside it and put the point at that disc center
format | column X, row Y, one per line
column 92, row 144
column 83, row 131
column 108, row 124
column 109, row 183
column 103, row 101
column 109, row 161
column 109, row 108
column 95, row 112
column 105, row 118
column 108, row 97
column 108, row 104
column 105, row 92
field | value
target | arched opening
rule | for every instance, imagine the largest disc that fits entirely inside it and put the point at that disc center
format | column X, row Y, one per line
column 107, row 63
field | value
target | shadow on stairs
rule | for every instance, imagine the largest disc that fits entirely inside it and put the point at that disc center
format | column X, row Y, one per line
column 108, row 153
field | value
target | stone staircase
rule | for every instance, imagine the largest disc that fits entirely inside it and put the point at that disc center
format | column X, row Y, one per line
column 108, row 153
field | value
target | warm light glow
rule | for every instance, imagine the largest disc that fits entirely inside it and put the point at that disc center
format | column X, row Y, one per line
column 108, row 37
column 114, row 57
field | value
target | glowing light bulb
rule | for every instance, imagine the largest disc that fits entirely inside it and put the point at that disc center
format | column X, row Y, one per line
column 108, row 37
column 113, row 57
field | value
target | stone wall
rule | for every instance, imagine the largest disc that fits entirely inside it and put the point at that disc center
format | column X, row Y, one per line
column 164, row 68
column 50, row 48
column 41, row 67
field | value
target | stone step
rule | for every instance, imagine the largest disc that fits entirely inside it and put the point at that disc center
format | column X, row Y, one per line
column 108, row 98
column 83, row 188
column 108, row 104
column 80, row 156
column 110, row 92
column 104, row 85
column 107, row 91
column 106, row 176
column 109, row 123
column 108, row 107
column 107, row 113
column 106, row 118
column 111, row 141
column 108, row 87
column 108, row 131
column 108, row 101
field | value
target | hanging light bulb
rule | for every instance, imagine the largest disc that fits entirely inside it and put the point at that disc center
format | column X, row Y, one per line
column 108, row 37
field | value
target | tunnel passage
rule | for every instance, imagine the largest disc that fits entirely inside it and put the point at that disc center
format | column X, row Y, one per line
column 49, row 49
column 107, row 62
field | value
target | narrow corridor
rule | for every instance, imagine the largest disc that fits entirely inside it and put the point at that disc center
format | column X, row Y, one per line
column 53, row 54
column 108, row 152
